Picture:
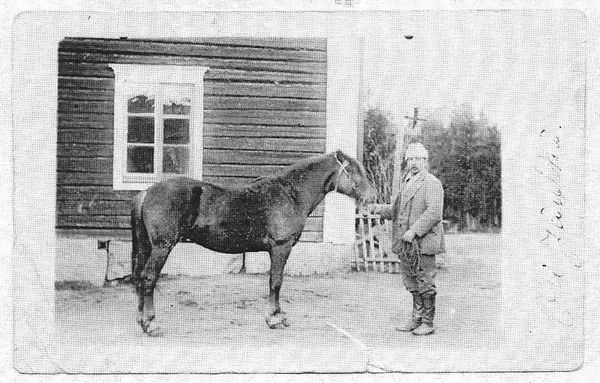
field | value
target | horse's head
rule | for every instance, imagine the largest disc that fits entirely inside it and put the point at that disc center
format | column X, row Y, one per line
column 351, row 179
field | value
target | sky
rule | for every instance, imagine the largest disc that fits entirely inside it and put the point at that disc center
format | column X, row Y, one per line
column 498, row 62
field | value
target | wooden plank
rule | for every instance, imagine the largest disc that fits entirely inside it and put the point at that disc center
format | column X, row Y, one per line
column 269, row 117
column 307, row 62
column 86, row 106
column 68, row 58
column 89, row 193
column 231, row 117
column 364, row 244
column 216, row 49
column 268, row 144
column 80, row 94
column 316, row 91
column 76, row 164
column 85, row 121
column 103, row 89
column 237, row 64
column 254, row 157
column 371, row 242
column 307, row 43
column 276, row 78
column 93, row 207
column 240, row 170
column 262, row 103
column 84, row 178
column 212, row 103
column 225, row 130
column 120, row 234
column 76, row 69
column 86, row 220
column 105, row 138
column 85, row 135
column 387, row 224
column 84, row 150
column 89, row 83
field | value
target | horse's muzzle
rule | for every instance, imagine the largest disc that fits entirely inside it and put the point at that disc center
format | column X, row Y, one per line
column 367, row 195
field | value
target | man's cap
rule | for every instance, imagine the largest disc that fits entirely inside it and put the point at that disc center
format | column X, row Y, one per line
column 416, row 149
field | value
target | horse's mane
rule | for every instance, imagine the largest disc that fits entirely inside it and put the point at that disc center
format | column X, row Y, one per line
column 289, row 173
column 305, row 164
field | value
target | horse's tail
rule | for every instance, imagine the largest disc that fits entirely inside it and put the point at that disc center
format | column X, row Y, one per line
column 140, row 242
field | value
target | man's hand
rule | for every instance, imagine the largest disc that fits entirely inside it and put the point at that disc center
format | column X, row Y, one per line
column 409, row 235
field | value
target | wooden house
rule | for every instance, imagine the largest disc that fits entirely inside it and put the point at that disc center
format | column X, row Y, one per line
column 224, row 110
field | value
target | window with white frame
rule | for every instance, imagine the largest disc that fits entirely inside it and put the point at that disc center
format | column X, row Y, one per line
column 158, row 124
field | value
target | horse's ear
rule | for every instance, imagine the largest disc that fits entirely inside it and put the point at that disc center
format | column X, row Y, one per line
column 339, row 155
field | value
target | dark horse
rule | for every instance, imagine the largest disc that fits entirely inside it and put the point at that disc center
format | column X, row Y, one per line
column 267, row 214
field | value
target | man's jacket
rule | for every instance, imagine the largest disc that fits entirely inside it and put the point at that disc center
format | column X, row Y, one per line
column 419, row 207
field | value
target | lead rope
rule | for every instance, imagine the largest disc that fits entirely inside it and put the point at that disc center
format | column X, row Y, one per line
column 410, row 255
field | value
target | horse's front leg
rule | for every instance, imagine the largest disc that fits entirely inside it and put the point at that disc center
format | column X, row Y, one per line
column 279, row 255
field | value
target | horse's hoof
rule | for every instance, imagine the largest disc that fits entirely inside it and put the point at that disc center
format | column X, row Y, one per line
column 277, row 321
column 152, row 329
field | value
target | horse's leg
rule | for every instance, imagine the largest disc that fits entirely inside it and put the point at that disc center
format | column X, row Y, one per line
column 279, row 255
column 141, row 250
column 243, row 268
column 139, row 259
column 149, row 277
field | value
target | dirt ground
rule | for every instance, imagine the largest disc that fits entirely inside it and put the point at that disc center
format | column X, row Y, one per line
column 338, row 323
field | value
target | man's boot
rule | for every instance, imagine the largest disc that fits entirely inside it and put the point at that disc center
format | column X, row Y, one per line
column 415, row 319
column 426, row 326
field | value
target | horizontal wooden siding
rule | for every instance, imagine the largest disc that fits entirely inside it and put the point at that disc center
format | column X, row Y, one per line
column 264, row 109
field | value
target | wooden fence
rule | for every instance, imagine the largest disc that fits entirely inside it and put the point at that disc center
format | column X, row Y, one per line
column 373, row 245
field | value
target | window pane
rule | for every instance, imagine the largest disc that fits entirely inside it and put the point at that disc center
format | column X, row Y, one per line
column 176, row 160
column 140, row 159
column 176, row 131
column 140, row 129
column 177, row 99
column 141, row 103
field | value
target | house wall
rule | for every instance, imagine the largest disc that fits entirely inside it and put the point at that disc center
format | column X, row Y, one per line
column 264, row 109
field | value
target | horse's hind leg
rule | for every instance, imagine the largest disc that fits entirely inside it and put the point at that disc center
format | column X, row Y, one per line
column 149, row 277
column 139, row 258
column 141, row 250
column 279, row 255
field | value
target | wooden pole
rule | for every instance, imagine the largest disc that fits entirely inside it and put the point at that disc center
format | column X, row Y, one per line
column 402, row 140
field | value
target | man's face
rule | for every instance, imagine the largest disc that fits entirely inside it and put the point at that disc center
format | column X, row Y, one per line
column 415, row 164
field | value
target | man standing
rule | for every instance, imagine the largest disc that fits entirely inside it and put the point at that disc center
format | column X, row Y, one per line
column 417, row 216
